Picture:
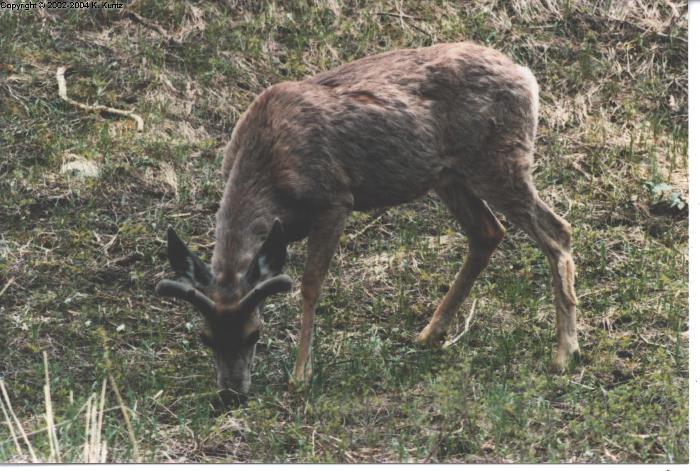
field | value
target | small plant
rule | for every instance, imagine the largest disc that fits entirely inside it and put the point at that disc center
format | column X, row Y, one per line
column 664, row 199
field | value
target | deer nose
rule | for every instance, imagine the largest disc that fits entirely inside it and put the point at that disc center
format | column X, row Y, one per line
column 238, row 384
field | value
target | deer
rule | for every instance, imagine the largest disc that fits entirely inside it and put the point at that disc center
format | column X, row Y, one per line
column 456, row 118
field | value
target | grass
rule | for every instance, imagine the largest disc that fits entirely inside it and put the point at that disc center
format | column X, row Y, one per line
column 79, row 257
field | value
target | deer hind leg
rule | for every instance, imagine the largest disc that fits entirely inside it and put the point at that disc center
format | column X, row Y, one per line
column 322, row 242
column 485, row 232
column 553, row 234
column 519, row 201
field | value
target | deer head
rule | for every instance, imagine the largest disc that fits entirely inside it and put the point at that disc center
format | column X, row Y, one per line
column 232, row 321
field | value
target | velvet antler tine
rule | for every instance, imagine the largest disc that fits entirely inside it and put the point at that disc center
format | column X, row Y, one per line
column 274, row 285
column 176, row 289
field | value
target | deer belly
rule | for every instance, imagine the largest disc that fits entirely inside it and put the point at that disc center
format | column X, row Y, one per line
column 379, row 193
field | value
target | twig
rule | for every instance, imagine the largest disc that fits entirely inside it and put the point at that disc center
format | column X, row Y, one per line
column 466, row 327
column 635, row 26
column 58, row 425
column 60, row 78
column 120, row 401
column 147, row 23
column 582, row 385
column 435, row 448
column 94, row 448
column 401, row 15
column 410, row 23
column 50, row 426
column 7, row 285
column 17, row 422
column 86, row 444
column 21, row 101
column 364, row 229
column 646, row 341
column 125, row 413
column 102, row 445
column 9, row 426
column 650, row 31
column 595, row 291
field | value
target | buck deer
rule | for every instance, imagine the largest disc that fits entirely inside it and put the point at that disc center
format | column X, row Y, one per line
column 384, row 130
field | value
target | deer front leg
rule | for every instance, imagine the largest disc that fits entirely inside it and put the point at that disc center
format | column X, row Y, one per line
column 485, row 232
column 322, row 242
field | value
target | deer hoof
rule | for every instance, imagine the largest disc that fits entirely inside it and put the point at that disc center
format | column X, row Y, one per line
column 565, row 360
column 298, row 384
column 300, row 378
column 430, row 335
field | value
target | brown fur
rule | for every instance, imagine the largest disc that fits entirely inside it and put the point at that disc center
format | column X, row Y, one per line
column 381, row 131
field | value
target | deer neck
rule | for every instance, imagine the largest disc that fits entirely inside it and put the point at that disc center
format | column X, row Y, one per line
column 245, row 216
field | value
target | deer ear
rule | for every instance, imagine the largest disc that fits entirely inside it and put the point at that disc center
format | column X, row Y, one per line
column 271, row 256
column 186, row 264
